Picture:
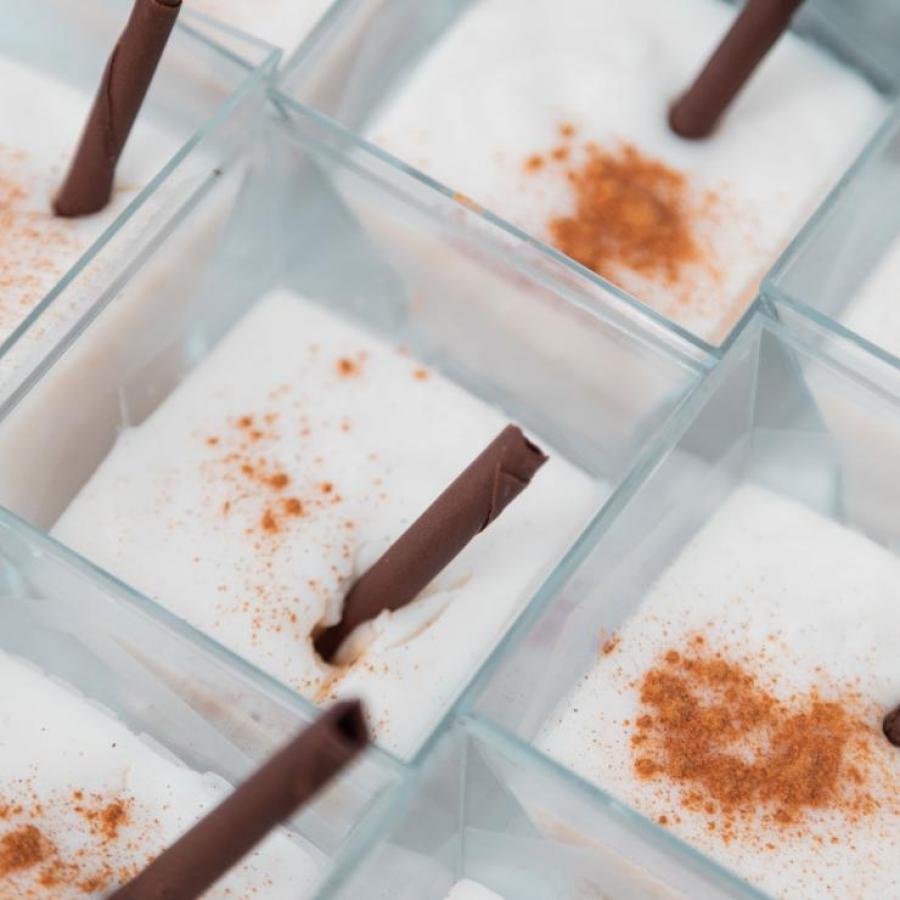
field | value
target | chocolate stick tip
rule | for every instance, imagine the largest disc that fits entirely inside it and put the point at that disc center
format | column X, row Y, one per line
column 754, row 32
column 272, row 794
column 474, row 499
column 891, row 726
column 126, row 79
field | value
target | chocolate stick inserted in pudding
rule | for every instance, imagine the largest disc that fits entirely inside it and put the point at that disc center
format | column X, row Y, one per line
column 890, row 725
column 753, row 34
column 489, row 484
column 270, row 796
column 126, row 79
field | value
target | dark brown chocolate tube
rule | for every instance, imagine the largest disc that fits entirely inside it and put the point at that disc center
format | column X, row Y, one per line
column 753, row 34
column 489, row 484
column 891, row 726
column 270, row 796
column 126, row 79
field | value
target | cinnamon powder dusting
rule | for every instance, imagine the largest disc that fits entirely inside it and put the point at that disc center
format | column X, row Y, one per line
column 28, row 235
column 33, row 865
column 632, row 213
column 740, row 755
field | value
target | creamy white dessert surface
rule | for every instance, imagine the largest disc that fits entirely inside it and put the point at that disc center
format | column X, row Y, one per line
column 471, row 890
column 497, row 87
column 39, row 130
column 279, row 470
column 875, row 311
column 282, row 23
column 805, row 606
column 85, row 803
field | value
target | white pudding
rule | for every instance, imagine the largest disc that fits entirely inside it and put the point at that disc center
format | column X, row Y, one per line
column 279, row 470
column 40, row 126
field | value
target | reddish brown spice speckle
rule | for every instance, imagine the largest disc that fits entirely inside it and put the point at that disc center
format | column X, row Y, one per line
column 22, row 849
column 269, row 523
column 28, row 268
column 736, row 751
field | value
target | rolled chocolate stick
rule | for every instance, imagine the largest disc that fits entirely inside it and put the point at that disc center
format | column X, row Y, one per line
column 753, row 34
column 489, row 484
column 125, row 82
column 891, row 726
column 220, row 840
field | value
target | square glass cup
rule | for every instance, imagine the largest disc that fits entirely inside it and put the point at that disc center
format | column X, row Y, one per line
column 807, row 420
column 176, row 690
column 206, row 93
column 485, row 808
column 368, row 50
column 321, row 216
column 843, row 269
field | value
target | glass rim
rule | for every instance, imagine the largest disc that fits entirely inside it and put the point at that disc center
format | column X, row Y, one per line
column 360, row 850
column 142, row 607
column 773, row 285
column 258, row 68
column 637, row 319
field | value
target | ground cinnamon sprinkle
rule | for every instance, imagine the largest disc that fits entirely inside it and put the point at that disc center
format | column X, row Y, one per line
column 736, row 751
column 23, row 848
column 27, row 268
column 32, row 861
column 631, row 212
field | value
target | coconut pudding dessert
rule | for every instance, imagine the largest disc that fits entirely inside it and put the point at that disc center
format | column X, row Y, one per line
column 560, row 118
column 86, row 805
column 259, row 499
column 749, row 702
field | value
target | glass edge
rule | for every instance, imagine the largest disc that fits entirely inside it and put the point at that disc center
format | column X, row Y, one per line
column 663, row 440
column 647, row 830
column 847, row 341
column 652, row 324
column 807, row 233
column 256, row 77
column 317, row 39
column 123, row 595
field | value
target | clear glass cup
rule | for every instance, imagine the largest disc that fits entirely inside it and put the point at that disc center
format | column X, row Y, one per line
column 169, row 685
column 806, row 419
column 207, row 91
column 485, row 808
column 843, row 269
column 318, row 214
column 292, row 27
column 370, row 49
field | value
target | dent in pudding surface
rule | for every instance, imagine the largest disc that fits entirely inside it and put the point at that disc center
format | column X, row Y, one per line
column 609, row 70
column 741, row 705
column 279, row 470
column 85, row 804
